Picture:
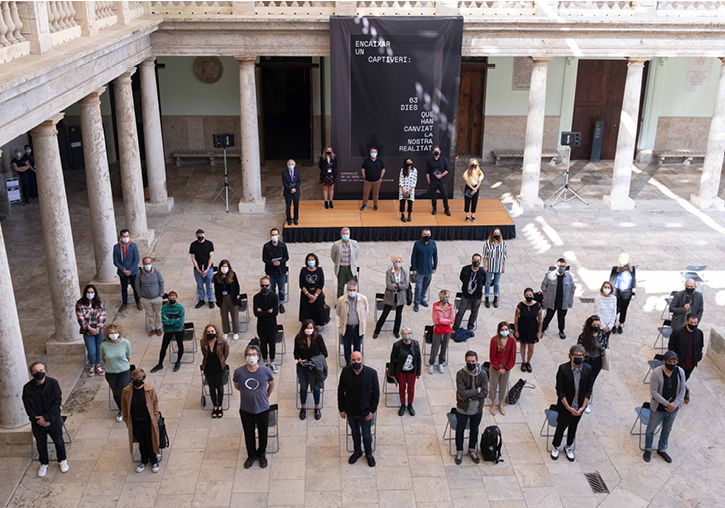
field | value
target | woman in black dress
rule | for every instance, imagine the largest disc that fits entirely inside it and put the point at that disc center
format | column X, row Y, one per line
column 528, row 323
column 328, row 175
column 312, row 284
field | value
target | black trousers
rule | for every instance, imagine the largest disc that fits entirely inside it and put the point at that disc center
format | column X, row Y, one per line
column 142, row 433
column 250, row 422
column 267, row 333
column 358, row 424
column 560, row 316
column 165, row 344
column 125, row 281
column 384, row 316
column 288, row 200
column 118, row 382
column 33, row 184
column 471, row 203
column 596, row 364
column 435, row 185
column 24, row 179
column 623, row 299
column 565, row 420
column 55, row 431
column 216, row 387
column 402, row 205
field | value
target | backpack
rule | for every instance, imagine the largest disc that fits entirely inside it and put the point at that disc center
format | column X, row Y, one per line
column 491, row 442
column 462, row 335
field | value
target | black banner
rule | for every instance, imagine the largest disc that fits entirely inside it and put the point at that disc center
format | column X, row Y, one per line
column 395, row 85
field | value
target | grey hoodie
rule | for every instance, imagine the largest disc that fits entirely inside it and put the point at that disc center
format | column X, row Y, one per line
column 469, row 400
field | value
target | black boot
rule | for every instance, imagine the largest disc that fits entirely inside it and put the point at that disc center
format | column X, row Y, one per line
column 488, row 304
column 326, row 205
column 495, row 301
column 401, row 411
column 409, row 219
column 331, row 204
column 402, row 217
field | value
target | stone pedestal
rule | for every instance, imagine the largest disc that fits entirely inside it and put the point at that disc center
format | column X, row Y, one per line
column 60, row 257
column 251, row 199
column 619, row 198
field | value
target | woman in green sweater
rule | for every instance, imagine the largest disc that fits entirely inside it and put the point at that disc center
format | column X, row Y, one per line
column 116, row 358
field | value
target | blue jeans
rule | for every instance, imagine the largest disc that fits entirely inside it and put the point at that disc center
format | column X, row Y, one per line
column 655, row 417
column 496, row 278
column 276, row 283
column 352, row 338
column 473, row 421
column 302, row 376
column 201, row 281
column 93, row 346
column 422, row 281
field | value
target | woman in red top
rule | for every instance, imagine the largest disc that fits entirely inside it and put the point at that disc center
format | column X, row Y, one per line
column 443, row 317
column 502, row 354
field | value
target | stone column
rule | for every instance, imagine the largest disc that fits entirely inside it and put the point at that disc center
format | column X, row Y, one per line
column 251, row 200
column 712, row 168
column 159, row 200
column 98, row 181
column 134, row 208
column 619, row 198
column 529, row 198
column 60, row 257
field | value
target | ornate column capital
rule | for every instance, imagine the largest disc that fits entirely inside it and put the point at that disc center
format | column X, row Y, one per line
column 47, row 128
column 246, row 60
column 540, row 61
column 93, row 97
column 151, row 62
column 125, row 77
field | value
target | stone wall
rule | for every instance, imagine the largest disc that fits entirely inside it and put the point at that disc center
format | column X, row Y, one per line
column 716, row 349
column 509, row 133
column 682, row 133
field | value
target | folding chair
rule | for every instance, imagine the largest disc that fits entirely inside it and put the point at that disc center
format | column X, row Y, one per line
column 643, row 413
column 373, row 431
column 244, row 312
column 694, row 272
column 658, row 361
column 449, row 433
column 189, row 340
column 281, row 347
column 663, row 334
column 310, row 396
column 551, row 417
column 457, row 305
column 35, row 455
column 205, row 392
column 388, row 383
column 272, row 429
column 428, row 344
column 666, row 314
column 379, row 305
column 341, row 349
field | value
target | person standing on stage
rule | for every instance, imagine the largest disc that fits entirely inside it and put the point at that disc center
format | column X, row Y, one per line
column 373, row 171
column 474, row 178
column 436, row 169
column 328, row 175
column 275, row 257
column 292, row 181
column 423, row 264
column 344, row 254
column 406, row 187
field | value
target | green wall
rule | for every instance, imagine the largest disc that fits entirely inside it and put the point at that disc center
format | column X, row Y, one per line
column 670, row 97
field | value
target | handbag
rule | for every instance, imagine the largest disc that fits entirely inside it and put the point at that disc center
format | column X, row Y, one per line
column 606, row 359
column 163, row 435
column 512, row 397
column 467, row 191
column 409, row 295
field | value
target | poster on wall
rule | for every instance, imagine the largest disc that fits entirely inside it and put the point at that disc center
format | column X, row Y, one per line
column 395, row 85
column 699, row 70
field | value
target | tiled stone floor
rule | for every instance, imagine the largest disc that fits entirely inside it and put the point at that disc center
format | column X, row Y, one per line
column 203, row 467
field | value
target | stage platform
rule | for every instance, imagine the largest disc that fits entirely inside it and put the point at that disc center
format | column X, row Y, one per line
column 317, row 224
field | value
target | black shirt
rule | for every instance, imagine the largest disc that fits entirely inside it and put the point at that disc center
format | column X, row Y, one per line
column 373, row 169
column 436, row 167
column 406, row 350
column 213, row 365
column 18, row 162
column 266, row 303
column 317, row 347
column 559, row 300
column 270, row 252
column 42, row 400
column 30, row 159
column 669, row 389
column 201, row 253
column 139, row 411
column 356, row 393
column 476, row 285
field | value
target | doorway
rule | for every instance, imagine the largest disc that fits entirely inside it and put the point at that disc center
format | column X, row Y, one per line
column 469, row 129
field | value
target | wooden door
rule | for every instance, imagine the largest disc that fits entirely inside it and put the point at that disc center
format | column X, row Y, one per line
column 470, row 109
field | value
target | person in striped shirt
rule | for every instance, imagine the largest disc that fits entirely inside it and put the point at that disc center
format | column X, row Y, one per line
column 494, row 264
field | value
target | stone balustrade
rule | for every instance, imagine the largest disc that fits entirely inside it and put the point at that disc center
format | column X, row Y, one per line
column 13, row 43
column 61, row 21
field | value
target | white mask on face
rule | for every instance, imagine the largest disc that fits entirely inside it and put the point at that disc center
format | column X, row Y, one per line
column 275, row 238
column 606, row 291
column 309, row 331
column 90, row 295
column 125, row 239
column 113, row 336
column 252, row 360
column 225, row 269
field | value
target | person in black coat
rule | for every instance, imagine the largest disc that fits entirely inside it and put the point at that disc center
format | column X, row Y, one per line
column 473, row 278
column 358, row 395
column 266, row 308
column 688, row 342
column 292, row 181
column 574, row 382
column 405, row 366
column 275, row 257
column 328, row 175
column 686, row 302
column 42, row 398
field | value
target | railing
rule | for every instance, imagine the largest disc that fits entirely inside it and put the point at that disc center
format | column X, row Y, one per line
column 105, row 16
column 191, row 8
column 10, row 24
column 61, row 21
column 294, row 8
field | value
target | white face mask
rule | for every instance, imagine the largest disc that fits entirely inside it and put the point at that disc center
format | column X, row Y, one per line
column 397, row 265
column 113, row 336
column 373, row 154
column 125, row 239
column 90, row 295
column 147, row 268
column 504, row 333
column 606, row 291
column 309, row 331
column 275, row 238
column 252, row 360
column 225, row 269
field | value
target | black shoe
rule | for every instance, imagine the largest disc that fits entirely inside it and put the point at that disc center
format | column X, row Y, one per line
column 528, row 367
column 157, row 368
column 434, row 211
column 424, row 303
column 415, row 307
column 401, row 411
column 402, row 217
column 619, row 329
column 562, row 335
column 495, row 301
column 318, row 414
column 281, row 308
column 331, row 205
column 353, row 458
column 409, row 219
column 297, row 222
column 448, row 213
column 371, row 461
column 614, row 330
column 303, row 413
column 211, row 305
column 411, row 410
column 177, row 366
column 363, row 208
column 665, row 456
column 375, row 207
column 289, row 222
column 326, row 205
column 249, row 462
column 376, row 335
column 647, row 456
column 263, row 461
column 488, row 304
column 199, row 304
column 396, row 335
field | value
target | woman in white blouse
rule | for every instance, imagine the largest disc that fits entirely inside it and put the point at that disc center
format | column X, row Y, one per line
column 606, row 307
column 406, row 192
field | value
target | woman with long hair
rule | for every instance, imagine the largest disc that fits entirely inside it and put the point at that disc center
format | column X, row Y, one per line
column 308, row 344
column 312, row 285
column 494, row 263
column 214, row 354
column 328, row 175
column 606, row 307
column 443, row 319
column 140, row 410
column 116, row 357
column 91, row 316
column 594, row 342
column 226, row 291
column 624, row 281
column 502, row 354
column 528, row 322
column 474, row 178
column 406, row 187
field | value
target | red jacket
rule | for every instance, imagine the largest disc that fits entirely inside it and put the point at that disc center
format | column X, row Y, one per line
column 443, row 319
column 507, row 357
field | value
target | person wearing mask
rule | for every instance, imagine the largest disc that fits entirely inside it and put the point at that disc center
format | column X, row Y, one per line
column 405, row 367
column 436, row 170
column 30, row 159
column 358, row 394
column 606, row 304
column 502, row 353
column 214, row 354
column 266, row 308
column 172, row 317
column 126, row 260
column 344, row 254
column 668, row 387
column 623, row 278
column 275, row 257
column 686, row 302
column 150, row 285
column 373, row 170
column 328, row 175
column 574, row 381
column 528, row 322
column 472, row 277
column 396, row 287
column 255, row 384
column 23, row 169
column 352, row 313
column 471, row 391
column 407, row 181
column 494, row 263
column 226, row 290
column 443, row 318
column 308, row 345
column 594, row 341
column 291, row 183
column 687, row 342
column 116, row 358
column 140, row 410
column 423, row 264
column 202, row 257
column 42, row 398
column 473, row 176
column 558, row 289
column 312, row 286
column 91, row 316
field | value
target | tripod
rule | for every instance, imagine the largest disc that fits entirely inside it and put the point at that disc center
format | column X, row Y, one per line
column 226, row 188
column 565, row 190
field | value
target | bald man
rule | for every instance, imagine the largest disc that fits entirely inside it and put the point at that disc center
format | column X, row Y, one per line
column 358, row 395
column 685, row 302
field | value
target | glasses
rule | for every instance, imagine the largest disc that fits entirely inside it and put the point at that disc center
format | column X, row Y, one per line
column 264, row 285
column 578, row 356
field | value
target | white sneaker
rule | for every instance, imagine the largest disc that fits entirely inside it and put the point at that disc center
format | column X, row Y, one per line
column 588, row 408
column 64, row 466
column 273, row 367
column 42, row 470
column 441, row 368
column 226, row 336
column 431, row 368
column 569, row 453
column 235, row 336
column 155, row 467
column 555, row 453
column 140, row 468
column 119, row 417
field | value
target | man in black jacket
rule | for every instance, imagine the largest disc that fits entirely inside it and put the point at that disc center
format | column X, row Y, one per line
column 473, row 278
column 358, row 395
column 266, row 307
column 275, row 257
column 686, row 302
column 574, row 382
column 42, row 398
column 405, row 366
column 687, row 342
column 436, row 169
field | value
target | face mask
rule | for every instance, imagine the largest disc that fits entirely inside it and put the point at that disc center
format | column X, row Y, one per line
column 692, row 327
column 225, row 269
column 252, row 360
column 291, row 167
column 211, row 336
column 408, row 165
column 125, row 239
column 113, row 336
column 690, row 290
column 90, row 295
column 670, row 367
column 426, row 239
column 626, row 263
column 275, row 238
column 137, row 382
column 309, row 331
column 328, row 152
column 444, row 300
column 476, row 264
column 496, row 237
column 504, row 333
column 345, row 238
column 561, row 269
column 200, row 238
column 373, row 154
column 594, row 329
column 606, row 291
column 578, row 361
column 436, row 153
column 529, row 298
column 406, row 338
column 311, row 263
column 39, row 376
column 265, row 291
column 356, row 365
column 18, row 154
column 397, row 265
column 471, row 366
column 172, row 302
column 147, row 268
column 352, row 294
column 28, row 151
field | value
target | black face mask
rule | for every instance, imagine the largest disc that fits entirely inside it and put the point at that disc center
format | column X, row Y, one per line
column 426, row 239
column 172, row 302
column 356, row 365
column 670, row 367
column 578, row 361
column 265, row 291
column 690, row 290
column 137, row 382
column 409, row 165
column 211, row 336
column 496, row 237
column 436, row 153
column 328, row 153
column 529, row 298
column 594, row 329
column 471, row 366
column 476, row 264
column 692, row 327
column 39, row 376
column 200, row 238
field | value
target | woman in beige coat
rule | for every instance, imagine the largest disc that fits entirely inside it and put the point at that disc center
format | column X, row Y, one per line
column 396, row 286
column 140, row 409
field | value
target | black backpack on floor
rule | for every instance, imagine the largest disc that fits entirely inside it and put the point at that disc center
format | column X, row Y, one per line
column 491, row 442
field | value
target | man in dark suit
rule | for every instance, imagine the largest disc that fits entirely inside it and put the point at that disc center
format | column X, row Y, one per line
column 292, row 181
column 358, row 395
column 126, row 260
column 687, row 342
column 574, row 382
column 686, row 302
